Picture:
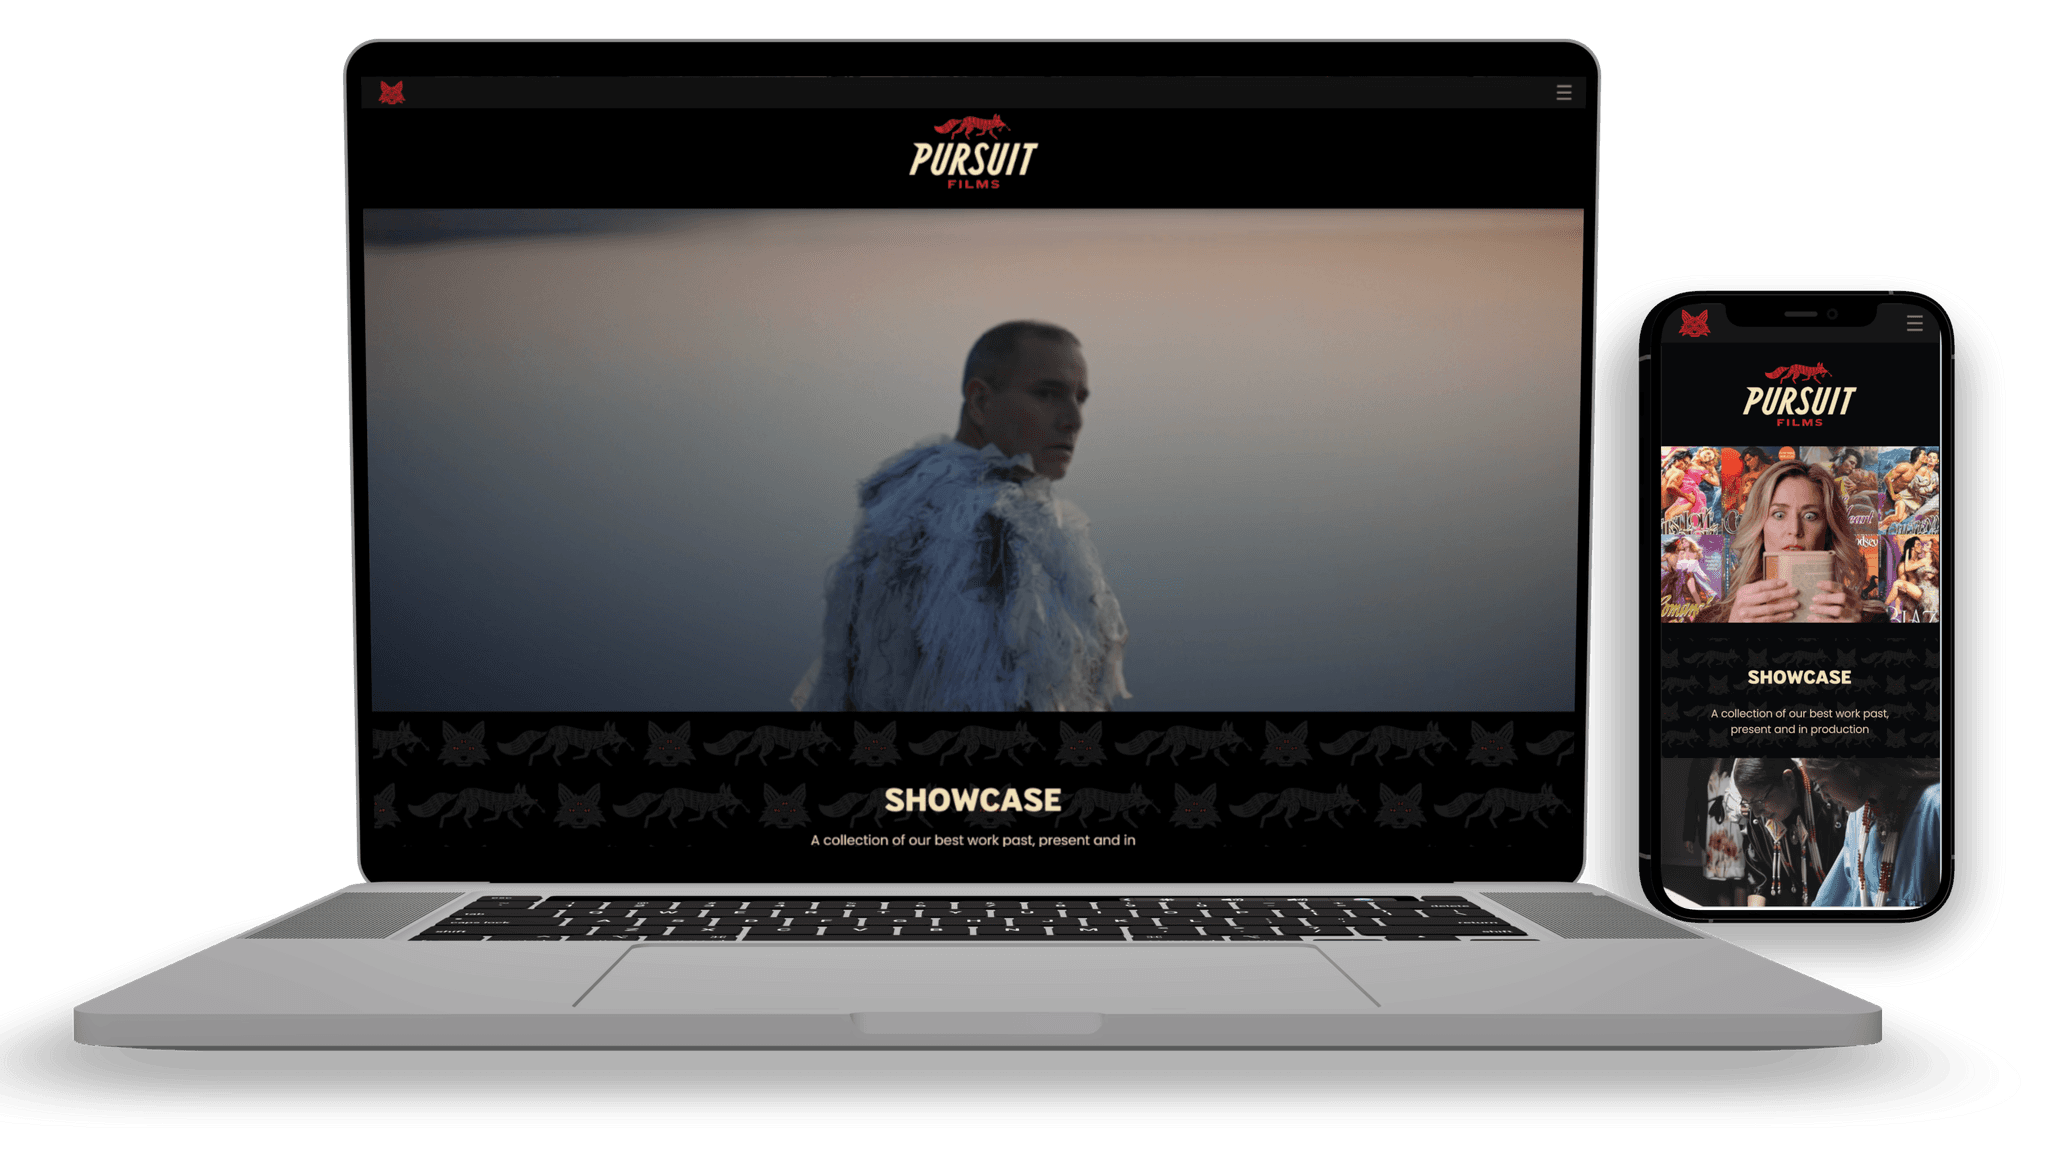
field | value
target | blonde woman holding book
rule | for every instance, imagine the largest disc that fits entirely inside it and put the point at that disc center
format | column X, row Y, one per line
column 1794, row 507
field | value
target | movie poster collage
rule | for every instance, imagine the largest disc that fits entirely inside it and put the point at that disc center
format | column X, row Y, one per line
column 1890, row 496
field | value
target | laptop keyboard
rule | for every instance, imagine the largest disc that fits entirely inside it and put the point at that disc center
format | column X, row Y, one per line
column 533, row 918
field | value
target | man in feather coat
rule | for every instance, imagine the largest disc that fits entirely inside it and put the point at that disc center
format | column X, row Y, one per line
column 969, row 585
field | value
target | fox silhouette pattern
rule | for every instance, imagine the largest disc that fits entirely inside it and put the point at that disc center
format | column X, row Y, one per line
column 1932, row 714
column 1383, row 739
column 668, row 749
column 1194, row 811
column 1500, row 800
column 1933, row 661
column 392, row 741
column 1845, row 657
column 989, row 819
column 1559, row 743
column 1759, row 657
column 1803, row 658
column 1712, row 658
column 1895, row 685
column 1179, row 738
column 1293, row 801
column 1668, row 713
column 1717, row 685
column 1681, row 685
column 384, row 808
column 1896, row 739
column 578, row 810
column 873, row 804
column 973, row 738
column 1681, row 737
column 784, row 811
column 470, row 801
column 1088, row 800
column 1892, row 658
column 1699, row 711
column 1668, row 659
column 1080, row 747
column 1286, row 747
column 1400, row 810
column 1494, row 749
column 873, row 747
column 1717, row 739
column 672, row 803
column 1923, row 684
column 463, row 747
column 768, row 738
column 559, row 740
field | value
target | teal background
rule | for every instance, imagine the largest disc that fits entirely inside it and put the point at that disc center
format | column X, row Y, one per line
column 175, row 705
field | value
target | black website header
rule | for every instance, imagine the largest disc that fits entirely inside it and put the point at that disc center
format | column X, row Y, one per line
column 399, row 92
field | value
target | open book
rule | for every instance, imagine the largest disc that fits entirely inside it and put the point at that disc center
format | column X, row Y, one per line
column 1805, row 570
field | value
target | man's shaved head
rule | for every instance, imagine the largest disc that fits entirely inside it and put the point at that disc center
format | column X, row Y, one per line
column 1022, row 392
column 994, row 350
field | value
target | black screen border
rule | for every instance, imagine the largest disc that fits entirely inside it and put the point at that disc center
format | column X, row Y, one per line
column 447, row 158
column 1829, row 945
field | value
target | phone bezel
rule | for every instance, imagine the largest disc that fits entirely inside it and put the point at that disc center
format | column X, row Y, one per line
column 1768, row 310
column 1850, row 945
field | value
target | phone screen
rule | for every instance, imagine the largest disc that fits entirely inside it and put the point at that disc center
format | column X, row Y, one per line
column 1797, row 565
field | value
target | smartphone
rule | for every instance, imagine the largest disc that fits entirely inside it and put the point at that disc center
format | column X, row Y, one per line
column 1796, row 552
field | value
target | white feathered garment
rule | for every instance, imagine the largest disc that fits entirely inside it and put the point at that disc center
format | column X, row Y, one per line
column 968, row 586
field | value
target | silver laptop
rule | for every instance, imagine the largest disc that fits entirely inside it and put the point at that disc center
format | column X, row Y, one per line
column 1023, row 545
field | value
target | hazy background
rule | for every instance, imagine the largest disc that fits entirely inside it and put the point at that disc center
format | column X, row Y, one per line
column 1330, row 456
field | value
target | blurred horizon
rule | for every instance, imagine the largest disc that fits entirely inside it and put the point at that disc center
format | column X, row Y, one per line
column 1331, row 457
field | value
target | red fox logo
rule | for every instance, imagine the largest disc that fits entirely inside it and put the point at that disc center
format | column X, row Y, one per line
column 392, row 93
column 1794, row 373
column 1691, row 326
column 969, row 125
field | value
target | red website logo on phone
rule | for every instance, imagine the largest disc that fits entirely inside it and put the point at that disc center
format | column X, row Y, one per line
column 1796, row 373
column 392, row 93
column 1691, row 326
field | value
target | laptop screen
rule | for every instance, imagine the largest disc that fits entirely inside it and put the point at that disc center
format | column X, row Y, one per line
column 805, row 463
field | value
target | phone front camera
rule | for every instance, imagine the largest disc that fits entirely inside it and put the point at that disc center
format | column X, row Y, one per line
column 1832, row 314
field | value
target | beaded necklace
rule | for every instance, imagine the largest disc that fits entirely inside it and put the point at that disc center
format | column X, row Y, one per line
column 1874, row 816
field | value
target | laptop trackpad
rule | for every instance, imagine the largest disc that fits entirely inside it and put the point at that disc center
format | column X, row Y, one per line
column 946, row 988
